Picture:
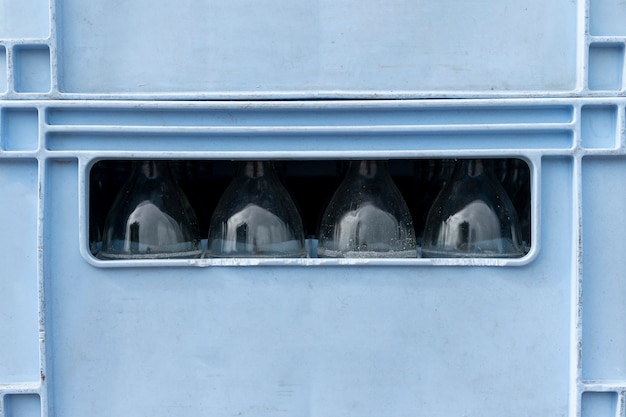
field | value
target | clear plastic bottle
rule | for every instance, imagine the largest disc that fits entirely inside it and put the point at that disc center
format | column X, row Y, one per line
column 367, row 217
column 472, row 217
column 151, row 217
column 256, row 217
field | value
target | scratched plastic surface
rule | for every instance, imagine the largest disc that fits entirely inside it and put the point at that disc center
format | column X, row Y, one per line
column 533, row 336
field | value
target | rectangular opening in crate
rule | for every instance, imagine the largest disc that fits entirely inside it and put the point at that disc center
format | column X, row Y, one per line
column 398, row 208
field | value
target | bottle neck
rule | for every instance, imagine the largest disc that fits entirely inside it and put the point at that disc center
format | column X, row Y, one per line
column 152, row 169
column 368, row 168
column 255, row 169
column 470, row 167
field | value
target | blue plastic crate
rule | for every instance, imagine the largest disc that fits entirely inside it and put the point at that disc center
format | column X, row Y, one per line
column 533, row 336
column 317, row 336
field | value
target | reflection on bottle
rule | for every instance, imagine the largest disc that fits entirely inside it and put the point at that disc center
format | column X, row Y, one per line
column 472, row 217
column 430, row 177
column 256, row 217
column 367, row 217
column 150, row 218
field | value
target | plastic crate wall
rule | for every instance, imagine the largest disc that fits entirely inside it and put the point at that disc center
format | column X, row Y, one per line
column 541, row 335
column 207, row 50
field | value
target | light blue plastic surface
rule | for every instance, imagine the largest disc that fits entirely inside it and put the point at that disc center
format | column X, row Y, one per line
column 327, row 49
column 542, row 335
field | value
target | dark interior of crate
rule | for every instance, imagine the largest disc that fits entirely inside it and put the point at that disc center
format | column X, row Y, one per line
column 311, row 184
